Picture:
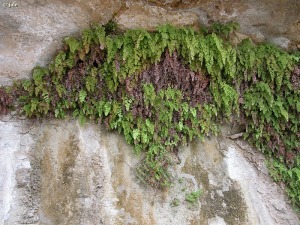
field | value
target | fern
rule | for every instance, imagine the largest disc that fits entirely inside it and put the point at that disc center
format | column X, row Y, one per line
column 224, row 30
column 149, row 94
column 73, row 44
column 38, row 79
column 163, row 88
column 82, row 96
column 107, row 108
column 100, row 36
column 87, row 39
column 91, row 80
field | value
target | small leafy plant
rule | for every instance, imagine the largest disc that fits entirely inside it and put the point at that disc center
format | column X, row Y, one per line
column 6, row 101
column 175, row 202
column 193, row 196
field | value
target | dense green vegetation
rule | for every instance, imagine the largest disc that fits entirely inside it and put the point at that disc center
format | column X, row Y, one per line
column 162, row 89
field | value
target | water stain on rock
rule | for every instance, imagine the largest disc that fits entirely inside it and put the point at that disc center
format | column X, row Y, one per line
column 58, row 184
column 132, row 203
column 222, row 199
column 228, row 205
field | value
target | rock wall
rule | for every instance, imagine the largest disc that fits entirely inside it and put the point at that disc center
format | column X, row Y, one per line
column 56, row 172
column 31, row 31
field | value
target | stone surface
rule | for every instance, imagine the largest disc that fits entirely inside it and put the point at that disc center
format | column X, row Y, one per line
column 266, row 18
column 138, row 14
column 57, row 172
column 31, row 33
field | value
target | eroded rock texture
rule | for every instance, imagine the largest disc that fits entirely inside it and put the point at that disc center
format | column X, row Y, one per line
column 31, row 33
column 56, row 172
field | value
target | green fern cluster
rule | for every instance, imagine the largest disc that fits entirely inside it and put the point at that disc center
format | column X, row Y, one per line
column 94, row 76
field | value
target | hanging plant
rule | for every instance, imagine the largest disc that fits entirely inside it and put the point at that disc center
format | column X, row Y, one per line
column 165, row 88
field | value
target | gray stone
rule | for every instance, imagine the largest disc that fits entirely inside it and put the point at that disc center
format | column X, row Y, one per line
column 56, row 172
column 83, row 175
column 22, row 177
column 31, row 33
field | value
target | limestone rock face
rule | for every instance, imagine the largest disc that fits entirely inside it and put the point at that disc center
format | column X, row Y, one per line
column 137, row 15
column 57, row 172
column 31, row 33
column 262, row 18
